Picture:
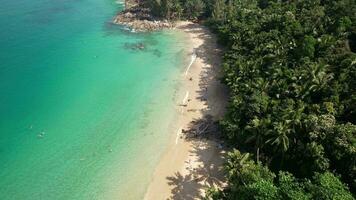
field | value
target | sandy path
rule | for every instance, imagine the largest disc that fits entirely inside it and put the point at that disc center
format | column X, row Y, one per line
column 190, row 165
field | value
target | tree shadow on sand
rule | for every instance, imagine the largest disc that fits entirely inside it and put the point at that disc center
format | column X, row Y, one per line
column 208, row 149
column 209, row 152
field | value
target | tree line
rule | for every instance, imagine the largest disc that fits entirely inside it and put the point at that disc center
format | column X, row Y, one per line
column 291, row 70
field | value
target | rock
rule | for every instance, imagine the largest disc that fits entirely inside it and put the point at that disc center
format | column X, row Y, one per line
column 135, row 46
column 140, row 19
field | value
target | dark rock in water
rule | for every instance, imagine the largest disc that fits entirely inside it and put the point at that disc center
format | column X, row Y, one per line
column 140, row 46
column 135, row 46
column 157, row 53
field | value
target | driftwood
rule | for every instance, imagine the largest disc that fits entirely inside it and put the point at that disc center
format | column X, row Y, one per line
column 201, row 127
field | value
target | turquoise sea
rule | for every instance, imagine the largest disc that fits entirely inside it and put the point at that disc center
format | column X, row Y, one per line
column 84, row 113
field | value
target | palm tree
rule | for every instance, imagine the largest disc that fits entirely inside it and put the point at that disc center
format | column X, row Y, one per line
column 236, row 162
column 279, row 137
column 317, row 79
column 257, row 130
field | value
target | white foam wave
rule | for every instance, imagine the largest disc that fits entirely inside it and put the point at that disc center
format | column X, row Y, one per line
column 193, row 58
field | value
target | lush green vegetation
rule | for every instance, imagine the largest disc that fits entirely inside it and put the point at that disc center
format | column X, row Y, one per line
column 291, row 69
column 249, row 180
column 292, row 75
column 173, row 9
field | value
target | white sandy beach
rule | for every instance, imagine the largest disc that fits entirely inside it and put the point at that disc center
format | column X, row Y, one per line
column 190, row 165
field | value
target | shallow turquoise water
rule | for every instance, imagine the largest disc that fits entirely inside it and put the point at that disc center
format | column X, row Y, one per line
column 83, row 114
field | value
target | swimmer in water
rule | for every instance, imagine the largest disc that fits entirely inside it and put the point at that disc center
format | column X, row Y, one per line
column 41, row 135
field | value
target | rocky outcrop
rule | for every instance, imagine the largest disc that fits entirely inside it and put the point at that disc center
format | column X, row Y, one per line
column 140, row 19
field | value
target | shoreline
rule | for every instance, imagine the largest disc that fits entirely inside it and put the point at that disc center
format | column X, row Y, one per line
column 190, row 165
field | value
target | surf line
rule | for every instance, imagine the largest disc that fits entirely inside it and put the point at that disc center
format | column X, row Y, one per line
column 186, row 97
column 194, row 56
column 178, row 134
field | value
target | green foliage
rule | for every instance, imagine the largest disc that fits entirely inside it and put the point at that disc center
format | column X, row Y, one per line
column 172, row 9
column 218, row 12
column 248, row 180
column 290, row 188
column 262, row 190
column 328, row 187
column 292, row 81
column 169, row 9
column 193, row 8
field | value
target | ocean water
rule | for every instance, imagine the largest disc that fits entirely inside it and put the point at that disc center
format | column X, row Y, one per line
column 84, row 113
